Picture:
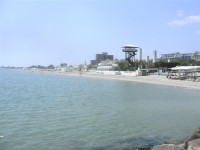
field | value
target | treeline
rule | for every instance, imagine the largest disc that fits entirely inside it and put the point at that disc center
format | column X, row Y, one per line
column 123, row 65
column 47, row 67
column 42, row 67
column 176, row 62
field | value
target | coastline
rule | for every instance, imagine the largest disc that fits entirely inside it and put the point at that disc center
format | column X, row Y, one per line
column 191, row 143
column 151, row 79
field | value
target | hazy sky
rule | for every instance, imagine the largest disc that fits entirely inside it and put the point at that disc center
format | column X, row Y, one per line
column 43, row 32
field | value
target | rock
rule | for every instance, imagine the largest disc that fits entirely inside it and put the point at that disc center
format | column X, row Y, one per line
column 167, row 147
column 189, row 148
column 182, row 146
column 131, row 148
column 194, row 143
column 193, row 148
column 195, row 135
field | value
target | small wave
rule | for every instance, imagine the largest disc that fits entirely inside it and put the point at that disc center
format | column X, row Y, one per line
column 1, row 136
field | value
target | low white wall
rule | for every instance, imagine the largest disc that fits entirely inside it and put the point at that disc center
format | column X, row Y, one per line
column 129, row 73
column 122, row 73
column 109, row 72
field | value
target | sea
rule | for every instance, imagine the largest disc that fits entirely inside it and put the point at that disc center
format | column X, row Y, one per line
column 47, row 111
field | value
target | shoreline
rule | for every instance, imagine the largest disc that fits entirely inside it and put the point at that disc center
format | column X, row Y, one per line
column 191, row 143
column 151, row 79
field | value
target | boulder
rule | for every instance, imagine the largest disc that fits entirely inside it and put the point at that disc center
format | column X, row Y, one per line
column 195, row 135
column 167, row 147
column 194, row 143
column 132, row 148
column 193, row 148
column 182, row 146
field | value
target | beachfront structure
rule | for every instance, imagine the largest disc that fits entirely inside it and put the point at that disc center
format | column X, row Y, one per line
column 130, row 52
column 101, row 57
column 107, row 65
column 184, row 72
column 186, row 68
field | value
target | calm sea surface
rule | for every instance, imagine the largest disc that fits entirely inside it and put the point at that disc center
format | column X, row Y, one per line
column 58, row 112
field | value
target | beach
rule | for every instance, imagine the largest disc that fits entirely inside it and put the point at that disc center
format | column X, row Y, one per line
column 150, row 79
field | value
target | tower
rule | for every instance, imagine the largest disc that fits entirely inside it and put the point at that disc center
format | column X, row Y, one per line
column 140, row 55
column 154, row 56
column 130, row 52
column 147, row 61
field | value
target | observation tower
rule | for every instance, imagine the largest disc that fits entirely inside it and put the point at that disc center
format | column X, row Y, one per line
column 130, row 52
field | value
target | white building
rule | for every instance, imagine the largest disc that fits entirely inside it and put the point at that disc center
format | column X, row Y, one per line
column 177, row 55
column 196, row 56
column 107, row 65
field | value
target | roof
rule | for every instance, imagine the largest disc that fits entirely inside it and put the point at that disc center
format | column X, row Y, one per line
column 130, row 46
column 186, row 68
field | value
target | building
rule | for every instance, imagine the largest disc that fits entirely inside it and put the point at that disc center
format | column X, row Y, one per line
column 93, row 62
column 196, row 56
column 177, row 55
column 101, row 57
column 107, row 65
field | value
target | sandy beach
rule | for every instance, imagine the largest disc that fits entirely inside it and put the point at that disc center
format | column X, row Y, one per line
column 152, row 79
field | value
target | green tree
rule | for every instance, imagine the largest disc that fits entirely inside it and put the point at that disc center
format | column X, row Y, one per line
column 50, row 67
column 123, row 65
column 142, row 64
column 176, row 62
column 80, row 67
column 63, row 64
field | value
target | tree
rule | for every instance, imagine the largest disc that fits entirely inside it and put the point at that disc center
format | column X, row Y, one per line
column 176, row 62
column 142, row 64
column 123, row 65
column 162, row 64
column 50, row 67
column 63, row 64
column 80, row 67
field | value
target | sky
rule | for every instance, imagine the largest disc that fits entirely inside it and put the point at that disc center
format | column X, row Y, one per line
column 44, row 32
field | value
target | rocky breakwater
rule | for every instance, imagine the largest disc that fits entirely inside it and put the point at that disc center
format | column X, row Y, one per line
column 192, row 143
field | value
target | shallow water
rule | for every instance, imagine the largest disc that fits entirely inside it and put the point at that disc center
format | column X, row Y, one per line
column 48, row 111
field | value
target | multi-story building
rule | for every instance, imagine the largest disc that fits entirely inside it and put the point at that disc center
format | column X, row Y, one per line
column 177, row 55
column 101, row 57
column 93, row 62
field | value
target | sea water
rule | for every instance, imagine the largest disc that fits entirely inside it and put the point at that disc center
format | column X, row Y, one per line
column 41, row 111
